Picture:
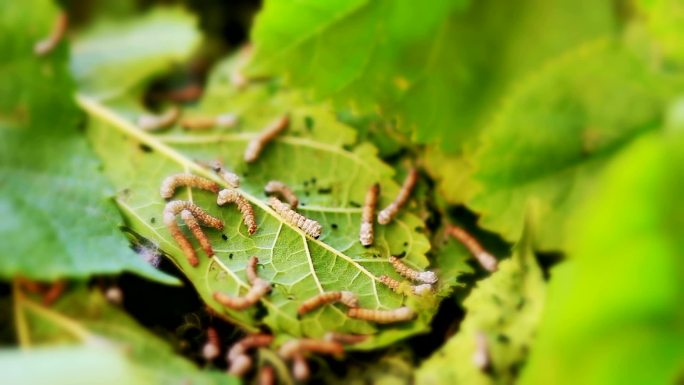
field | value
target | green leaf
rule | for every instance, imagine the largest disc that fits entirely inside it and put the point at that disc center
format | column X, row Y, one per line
column 57, row 218
column 614, row 313
column 311, row 158
column 664, row 20
column 504, row 307
column 110, row 347
column 440, row 69
column 113, row 56
column 453, row 174
column 555, row 134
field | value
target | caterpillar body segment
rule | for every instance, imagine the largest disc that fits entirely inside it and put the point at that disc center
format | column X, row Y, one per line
column 170, row 183
column 421, row 276
column 232, row 196
column 158, row 122
column 309, row 226
column 280, row 188
column 382, row 316
column 197, row 232
column 59, row 28
column 256, row 146
column 388, row 213
column 259, row 289
column 486, row 260
column 366, row 234
column 206, row 219
column 346, row 297
column 396, row 286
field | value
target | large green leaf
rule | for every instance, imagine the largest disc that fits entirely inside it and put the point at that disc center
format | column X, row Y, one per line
column 614, row 313
column 315, row 159
column 555, row 134
column 57, row 218
column 84, row 340
column 441, row 68
column 505, row 307
column 664, row 20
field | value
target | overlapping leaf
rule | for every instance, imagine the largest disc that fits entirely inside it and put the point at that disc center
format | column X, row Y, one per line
column 315, row 159
column 556, row 133
column 505, row 308
column 84, row 340
column 614, row 311
column 57, row 219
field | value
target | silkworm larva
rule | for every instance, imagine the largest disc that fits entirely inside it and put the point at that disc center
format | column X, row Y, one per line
column 382, row 316
column 114, row 295
column 368, row 214
column 388, row 213
column 396, row 286
column 196, row 230
column 266, row 376
column 300, row 368
column 277, row 187
column 258, row 290
column 207, row 220
column 179, row 237
column 422, row 276
column 232, row 196
column 206, row 122
column 58, row 29
column 229, row 177
column 346, row 297
column 301, row 346
column 158, row 122
column 486, row 260
column 257, row 144
column 249, row 342
column 53, row 293
column 172, row 209
column 309, row 226
column 170, row 183
column 212, row 347
column 250, row 270
column 347, row 339
column 481, row 357
column 240, row 365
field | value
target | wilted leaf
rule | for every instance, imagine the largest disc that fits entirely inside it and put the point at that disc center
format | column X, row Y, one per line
column 505, row 308
column 614, row 313
column 311, row 157
column 555, row 134
column 57, row 218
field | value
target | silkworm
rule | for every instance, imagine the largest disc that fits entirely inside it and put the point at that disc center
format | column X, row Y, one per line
column 250, row 270
column 257, row 144
column 481, row 357
column 407, row 272
column 45, row 46
column 231, row 178
column 300, row 368
column 172, row 209
column 114, row 295
column 396, row 286
column 170, row 183
column 158, row 122
column 206, row 122
column 266, row 376
column 309, row 226
column 212, row 347
column 486, row 260
column 305, row 345
column 382, row 316
column 346, row 297
column 388, row 213
column 196, row 230
column 232, row 196
column 259, row 289
column 238, row 360
column 54, row 292
column 346, row 339
column 277, row 187
column 366, row 232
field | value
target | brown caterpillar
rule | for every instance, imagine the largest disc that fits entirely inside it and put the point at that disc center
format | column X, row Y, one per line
column 172, row 209
column 232, row 196
column 276, row 187
column 309, row 226
column 212, row 348
column 238, row 360
column 266, row 376
column 388, row 213
column 257, row 144
column 251, row 269
column 346, row 339
column 229, row 177
column 481, row 357
column 170, row 183
column 407, row 272
column 259, row 289
column 301, row 346
column 395, row 286
column 197, row 232
column 45, row 46
column 206, row 122
column 346, row 297
column 157, row 122
column 486, row 260
column 382, row 316
column 53, row 292
column 366, row 233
